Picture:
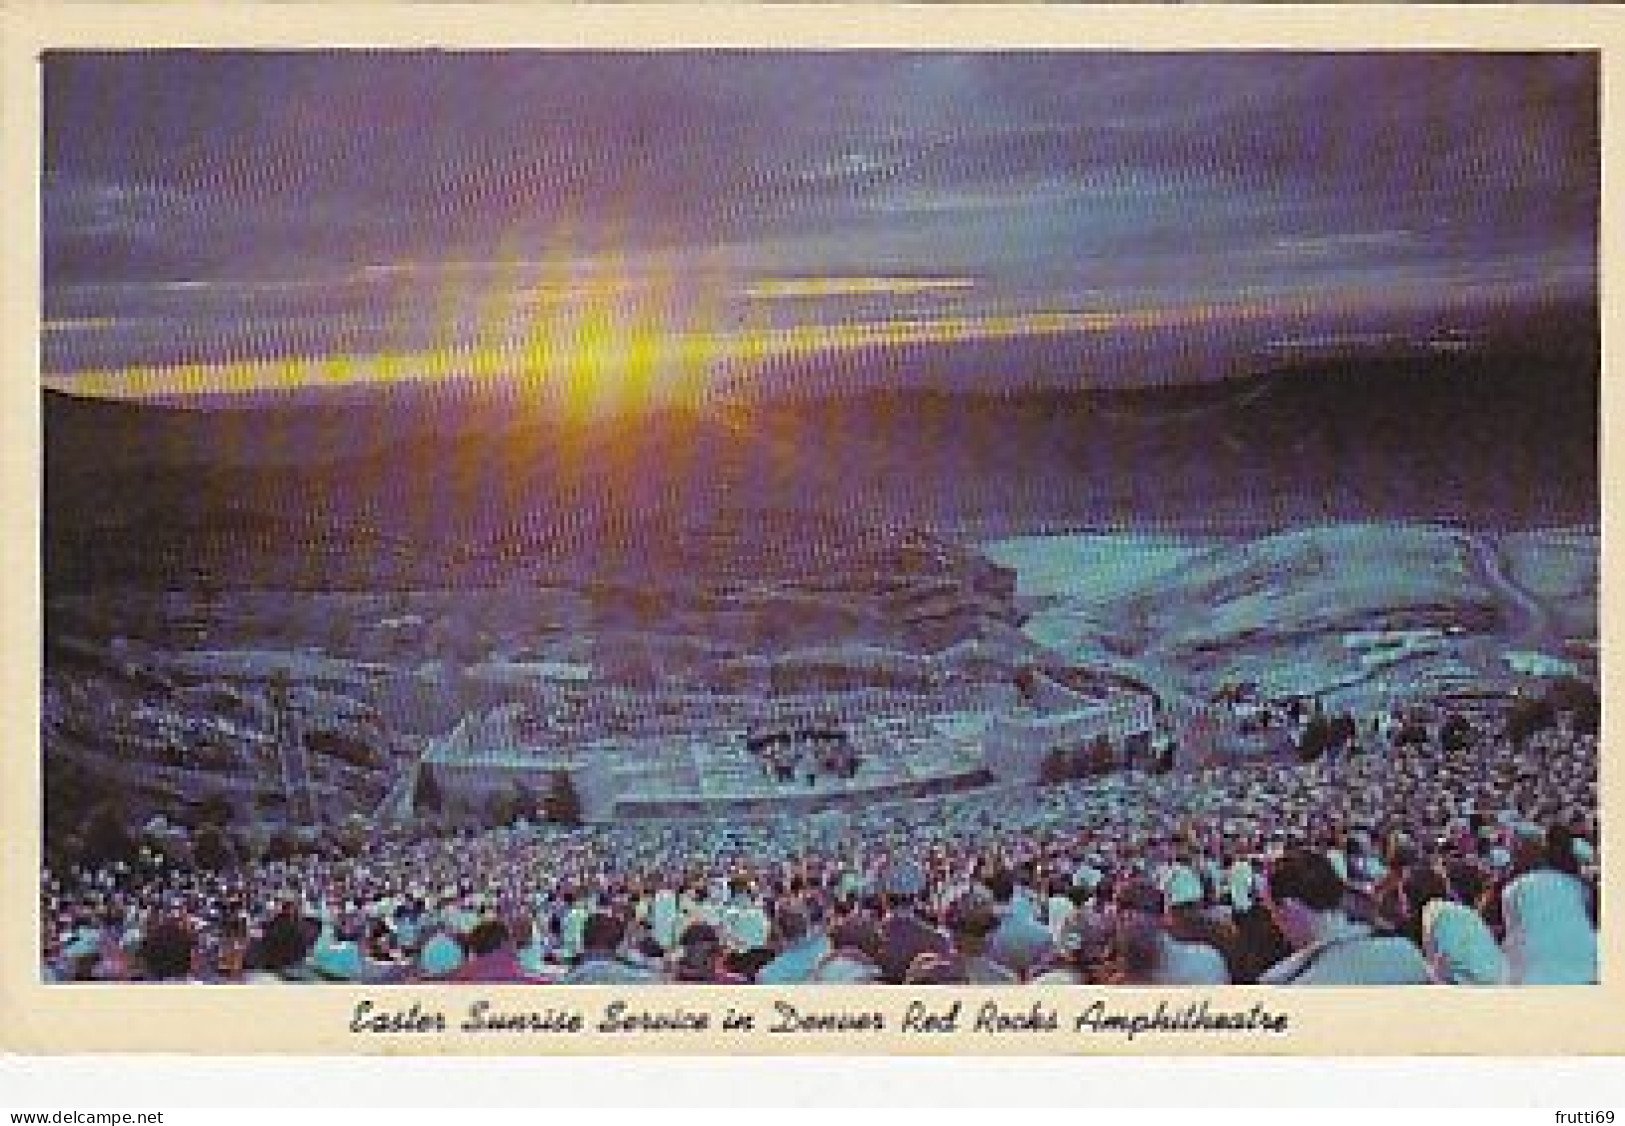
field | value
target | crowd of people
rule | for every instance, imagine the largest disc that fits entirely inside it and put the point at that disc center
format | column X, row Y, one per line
column 1424, row 863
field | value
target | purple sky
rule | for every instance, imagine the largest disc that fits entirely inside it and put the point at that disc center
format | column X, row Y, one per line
column 217, row 206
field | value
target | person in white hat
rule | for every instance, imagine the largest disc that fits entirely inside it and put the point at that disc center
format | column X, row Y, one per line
column 440, row 956
column 846, row 967
column 1239, row 886
column 1193, row 943
column 1549, row 936
column 1459, row 946
column 904, row 932
column 664, row 915
column 338, row 954
column 1020, row 942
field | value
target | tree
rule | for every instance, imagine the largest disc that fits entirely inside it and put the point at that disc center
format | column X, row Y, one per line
column 1570, row 693
column 217, row 809
column 1579, row 699
column 254, row 839
column 1526, row 717
column 1101, row 755
column 1056, row 768
column 284, row 844
column 499, row 809
column 1457, row 734
column 1077, row 761
column 563, row 805
column 1316, row 739
column 526, row 805
column 1341, row 730
column 427, row 796
column 1587, row 718
column 351, row 835
column 345, row 747
column 106, row 836
column 1411, row 733
column 212, row 850
column 71, row 792
column 1166, row 759
column 1136, row 749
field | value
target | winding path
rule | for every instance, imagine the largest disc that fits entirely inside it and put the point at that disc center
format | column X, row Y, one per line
column 1532, row 622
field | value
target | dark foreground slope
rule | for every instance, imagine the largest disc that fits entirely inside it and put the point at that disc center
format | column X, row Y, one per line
column 400, row 487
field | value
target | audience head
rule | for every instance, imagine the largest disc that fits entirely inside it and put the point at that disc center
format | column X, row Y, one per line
column 1303, row 888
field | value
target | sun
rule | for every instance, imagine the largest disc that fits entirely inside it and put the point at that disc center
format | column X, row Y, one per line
column 602, row 341
column 586, row 339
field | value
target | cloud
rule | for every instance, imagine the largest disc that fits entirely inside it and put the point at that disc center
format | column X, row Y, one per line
column 241, row 203
column 1319, row 246
column 781, row 289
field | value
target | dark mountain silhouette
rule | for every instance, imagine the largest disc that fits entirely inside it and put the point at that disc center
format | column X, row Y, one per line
column 414, row 484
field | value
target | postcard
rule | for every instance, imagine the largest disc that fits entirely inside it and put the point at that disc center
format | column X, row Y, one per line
column 791, row 531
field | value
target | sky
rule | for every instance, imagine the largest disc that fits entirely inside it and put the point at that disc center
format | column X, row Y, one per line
column 669, row 224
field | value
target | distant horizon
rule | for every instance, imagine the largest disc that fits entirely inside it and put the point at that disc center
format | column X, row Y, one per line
column 1061, row 362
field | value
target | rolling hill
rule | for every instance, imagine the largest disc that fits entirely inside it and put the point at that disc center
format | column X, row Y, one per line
column 405, row 483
